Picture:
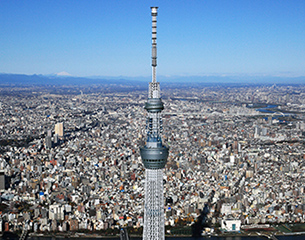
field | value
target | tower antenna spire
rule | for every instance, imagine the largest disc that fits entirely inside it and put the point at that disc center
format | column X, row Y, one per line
column 154, row 86
column 154, row 14
column 154, row 154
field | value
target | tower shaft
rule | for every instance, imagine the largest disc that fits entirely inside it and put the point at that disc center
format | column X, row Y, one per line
column 154, row 154
column 154, row 205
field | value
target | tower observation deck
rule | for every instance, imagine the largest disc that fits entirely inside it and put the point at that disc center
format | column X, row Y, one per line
column 154, row 154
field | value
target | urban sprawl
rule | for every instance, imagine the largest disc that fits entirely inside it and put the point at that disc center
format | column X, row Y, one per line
column 69, row 157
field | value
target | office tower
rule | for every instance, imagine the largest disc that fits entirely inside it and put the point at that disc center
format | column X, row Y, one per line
column 2, row 180
column 48, row 140
column 154, row 154
column 59, row 129
column 55, row 139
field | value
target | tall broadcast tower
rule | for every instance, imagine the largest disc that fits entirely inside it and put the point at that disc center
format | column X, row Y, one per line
column 154, row 154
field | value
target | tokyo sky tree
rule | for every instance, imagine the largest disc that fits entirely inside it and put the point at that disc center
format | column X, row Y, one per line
column 154, row 154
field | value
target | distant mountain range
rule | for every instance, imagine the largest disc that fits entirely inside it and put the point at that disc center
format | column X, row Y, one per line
column 22, row 79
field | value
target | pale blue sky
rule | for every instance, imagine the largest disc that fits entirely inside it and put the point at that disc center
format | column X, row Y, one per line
column 112, row 38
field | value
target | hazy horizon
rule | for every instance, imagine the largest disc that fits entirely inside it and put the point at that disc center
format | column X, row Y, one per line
column 7, row 79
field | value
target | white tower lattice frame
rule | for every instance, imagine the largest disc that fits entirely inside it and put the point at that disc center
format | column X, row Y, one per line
column 154, row 154
column 154, row 205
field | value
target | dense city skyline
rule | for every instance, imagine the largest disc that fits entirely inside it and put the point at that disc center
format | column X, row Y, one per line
column 228, row 149
column 79, row 159
column 107, row 38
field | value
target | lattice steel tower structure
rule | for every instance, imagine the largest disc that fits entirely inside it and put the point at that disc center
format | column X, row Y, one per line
column 154, row 154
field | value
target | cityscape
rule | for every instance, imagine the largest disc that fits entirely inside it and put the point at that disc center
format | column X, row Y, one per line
column 92, row 149
column 72, row 161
